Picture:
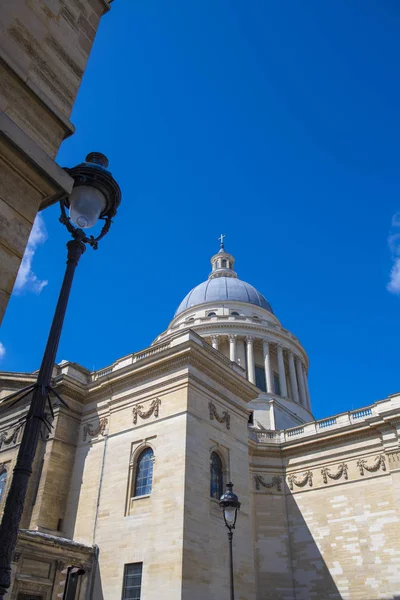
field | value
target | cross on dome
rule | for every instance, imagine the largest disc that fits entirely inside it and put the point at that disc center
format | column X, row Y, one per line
column 221, row 240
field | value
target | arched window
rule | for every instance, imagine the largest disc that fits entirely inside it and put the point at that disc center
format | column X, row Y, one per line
column 212, row 314
column 144, row 473
column 216, row 480
column 224, row 263
column 234, row 313
column 3, row 481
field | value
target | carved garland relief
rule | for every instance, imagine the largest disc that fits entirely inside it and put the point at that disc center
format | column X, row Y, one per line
column 88, row 429
column 378, row 463
column 341, row 471
column 224, row 418
column 302, row 481
column 338, row 472
column 276, row 481
column 11, row 437
column 153, row 409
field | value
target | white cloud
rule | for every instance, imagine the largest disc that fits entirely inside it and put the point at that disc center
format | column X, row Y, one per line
column 26, row 278
column 394, row 244
column 2, row 351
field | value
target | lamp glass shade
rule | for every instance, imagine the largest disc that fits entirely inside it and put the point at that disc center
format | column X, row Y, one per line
column 86, row 204
column 230, row 514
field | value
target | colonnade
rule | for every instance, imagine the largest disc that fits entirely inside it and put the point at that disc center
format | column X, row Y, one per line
column 297, row 370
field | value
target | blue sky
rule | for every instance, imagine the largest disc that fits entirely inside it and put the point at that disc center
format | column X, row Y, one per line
column 275, row 123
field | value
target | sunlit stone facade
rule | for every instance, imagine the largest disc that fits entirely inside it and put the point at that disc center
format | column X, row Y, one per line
column 122, row 485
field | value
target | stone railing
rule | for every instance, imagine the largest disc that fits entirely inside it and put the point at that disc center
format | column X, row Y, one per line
column 131, row 359
column 317, row 427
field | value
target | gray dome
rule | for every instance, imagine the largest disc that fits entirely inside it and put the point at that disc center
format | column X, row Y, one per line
column 220, row 289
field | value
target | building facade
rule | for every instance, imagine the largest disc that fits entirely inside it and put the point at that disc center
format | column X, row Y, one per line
column 44, row 48
column 125, row 486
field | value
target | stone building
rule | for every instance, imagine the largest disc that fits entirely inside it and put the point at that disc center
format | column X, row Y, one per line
column 44, row 48
column 126, row 485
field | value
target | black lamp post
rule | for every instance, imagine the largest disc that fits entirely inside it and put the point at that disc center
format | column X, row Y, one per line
column 95, row 195
column 230, row 505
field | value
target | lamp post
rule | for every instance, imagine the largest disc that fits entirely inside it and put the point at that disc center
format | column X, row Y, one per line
column 95, row 195
column 230, row 505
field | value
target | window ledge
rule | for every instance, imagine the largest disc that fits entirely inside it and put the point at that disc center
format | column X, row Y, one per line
column 135, row 498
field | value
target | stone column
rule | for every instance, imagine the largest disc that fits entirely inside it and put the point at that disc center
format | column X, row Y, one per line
column 306, row 388
column 300, row 379
column 214, row 341
column 293, row 380
column 281, row 369
column 251, row 371
column 232, row 347
column 269, row 378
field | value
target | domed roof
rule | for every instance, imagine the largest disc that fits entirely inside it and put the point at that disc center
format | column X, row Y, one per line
column 220, row 289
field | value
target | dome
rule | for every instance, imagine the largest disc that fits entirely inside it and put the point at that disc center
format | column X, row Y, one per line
column 223, row 285
column 221, row 289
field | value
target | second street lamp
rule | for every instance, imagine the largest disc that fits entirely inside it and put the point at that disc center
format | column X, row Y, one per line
column 95, row 195
column 230, row 505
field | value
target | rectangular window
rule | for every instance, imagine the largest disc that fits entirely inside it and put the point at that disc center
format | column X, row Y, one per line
column 132, row 581
column 260, row 379
column 277, row 384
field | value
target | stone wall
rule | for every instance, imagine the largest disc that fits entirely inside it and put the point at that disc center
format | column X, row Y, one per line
column 327, row 518
column 44, row 48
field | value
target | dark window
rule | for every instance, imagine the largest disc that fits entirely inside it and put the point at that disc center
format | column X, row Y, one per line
column 224, row 264
column 3, row 481
column 260, row 379
column 144, row 473
column 212, row 314
column 216, row 482
column 236, row 314
column 132, row 581
column 277, row 384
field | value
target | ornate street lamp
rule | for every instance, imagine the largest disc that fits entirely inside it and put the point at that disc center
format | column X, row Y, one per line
column 230, row 505
column 95, row 195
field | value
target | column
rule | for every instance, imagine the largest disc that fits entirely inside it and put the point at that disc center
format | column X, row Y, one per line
column 251, row 372
column 269, row 378
column 232, row 347
column 281, row 369
column 293, row 380
column 300, row 379
column 306, row 388
column 214, row 341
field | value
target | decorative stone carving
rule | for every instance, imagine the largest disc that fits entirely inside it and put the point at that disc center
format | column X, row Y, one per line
column 378, row 463
column 276, row 481
column 294, row 481
column 393, row 458
column 11, row 437
column 88, row 429
column 153, row 409
column 224, row 418
column 342, row 470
